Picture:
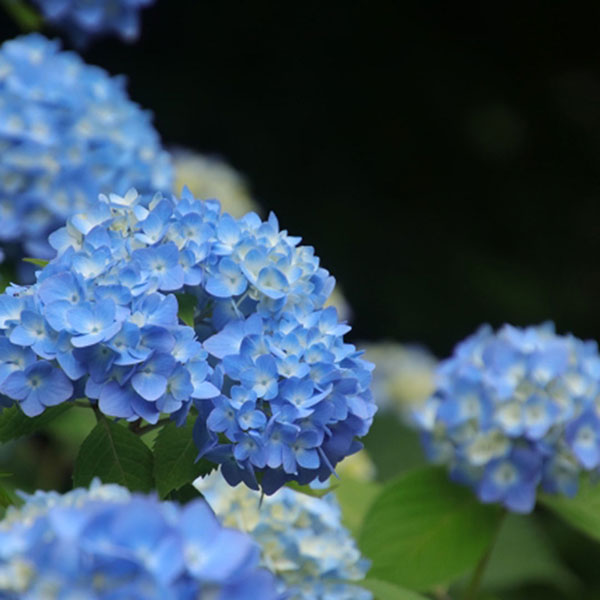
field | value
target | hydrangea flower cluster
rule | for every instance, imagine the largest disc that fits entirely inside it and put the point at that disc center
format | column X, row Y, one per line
column 105, row 543
column 210, row 177
column 514, row 410
column 68, row 132
column 302, row 539
column 86, row 19
column 95, row 325
column 280, row 393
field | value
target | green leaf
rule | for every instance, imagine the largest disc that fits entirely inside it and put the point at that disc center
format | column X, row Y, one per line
column 72, row 427
column 424, row 530
column 7, row 275
column 7, row 494
column 382, row 590
column 6, row 498
column 187, row 306
column 523, row 554
column 407, row 454
column 115, row 455
column 25, row 16
column 582, row 511
column 175, row 458
column 36, row 261
column 308, row 491
column 355, row 498
column 15, row 424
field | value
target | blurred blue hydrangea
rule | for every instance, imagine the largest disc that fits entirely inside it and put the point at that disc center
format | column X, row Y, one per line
column 302, row 539
column 516, row 409
column 105, row 543
column 86, row 19
column 68, row 132
column 275, row 388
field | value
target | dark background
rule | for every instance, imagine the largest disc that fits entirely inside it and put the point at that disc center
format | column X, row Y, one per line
column 443, row 160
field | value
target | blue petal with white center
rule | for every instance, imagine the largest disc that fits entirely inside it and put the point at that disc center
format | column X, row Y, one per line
column 38, row 386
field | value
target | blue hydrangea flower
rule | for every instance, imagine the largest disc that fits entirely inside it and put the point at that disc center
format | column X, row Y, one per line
column 90, row 326
column 38, row 386
column 301, row 538
column 282, row 393
column 87, row 19
column 68, row 131
column 515, row 410
column 275, row 387
column 108, row 544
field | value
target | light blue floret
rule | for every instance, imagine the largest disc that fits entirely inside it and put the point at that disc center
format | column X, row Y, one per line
column 514, row 410
column 108, row 544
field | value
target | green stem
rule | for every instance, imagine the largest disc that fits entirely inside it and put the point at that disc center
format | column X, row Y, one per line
column 27, row 18
column 477, row 577
column 97, row 412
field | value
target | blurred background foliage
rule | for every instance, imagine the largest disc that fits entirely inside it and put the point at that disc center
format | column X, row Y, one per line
column 443, row 159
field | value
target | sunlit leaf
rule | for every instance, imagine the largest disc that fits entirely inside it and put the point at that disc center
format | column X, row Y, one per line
column 424, row 530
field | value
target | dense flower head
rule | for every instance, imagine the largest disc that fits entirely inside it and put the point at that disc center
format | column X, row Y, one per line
column 515, row 410
column 68, row 132
column 86, row 19
column 208, row 176
column 85, row 329
column 275, row 388
column 302, row 539
column 107, row 543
